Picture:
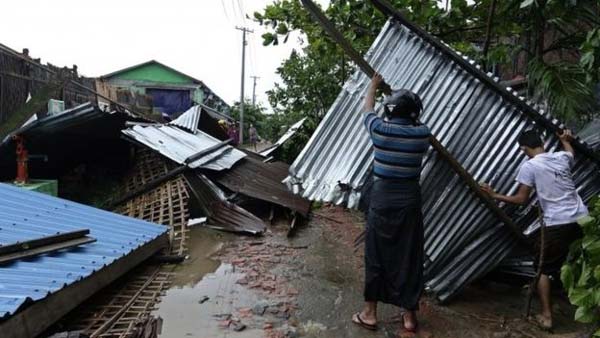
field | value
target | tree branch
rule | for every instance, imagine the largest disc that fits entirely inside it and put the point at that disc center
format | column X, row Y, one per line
column 488, row 33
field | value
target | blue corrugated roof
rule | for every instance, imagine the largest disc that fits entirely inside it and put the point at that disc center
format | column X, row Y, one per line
column 26, row 215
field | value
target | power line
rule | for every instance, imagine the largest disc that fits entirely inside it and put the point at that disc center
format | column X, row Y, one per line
column 225, row 10
column 241, row 10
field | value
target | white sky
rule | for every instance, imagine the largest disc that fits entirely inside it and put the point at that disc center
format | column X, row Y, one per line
column 196, row 37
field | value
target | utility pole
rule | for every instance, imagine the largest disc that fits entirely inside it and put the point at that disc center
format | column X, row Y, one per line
column 254, row 90
column 244, row 31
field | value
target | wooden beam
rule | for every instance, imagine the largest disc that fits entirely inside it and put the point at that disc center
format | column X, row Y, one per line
column 11, row 257
column 435, row 143
column 47, row 240
column 22, row 77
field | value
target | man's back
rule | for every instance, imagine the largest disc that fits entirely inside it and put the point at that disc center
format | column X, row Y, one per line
column 550, row 174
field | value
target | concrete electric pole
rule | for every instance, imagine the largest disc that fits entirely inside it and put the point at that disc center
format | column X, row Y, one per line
column 244, row 31
column 254, row 90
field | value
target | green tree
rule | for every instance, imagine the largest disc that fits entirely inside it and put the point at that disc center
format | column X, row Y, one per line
column 254, row 115
column 554, row 36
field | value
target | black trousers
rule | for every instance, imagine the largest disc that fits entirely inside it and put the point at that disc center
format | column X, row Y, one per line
column 394, row 244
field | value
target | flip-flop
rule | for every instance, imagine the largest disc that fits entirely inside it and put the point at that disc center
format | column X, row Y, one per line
column 414, row 329
column 361, row 323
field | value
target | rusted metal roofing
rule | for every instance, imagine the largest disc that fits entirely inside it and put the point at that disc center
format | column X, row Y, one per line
column 254, row 178
column 179, row 146
column 222, row 214
column 474, row 121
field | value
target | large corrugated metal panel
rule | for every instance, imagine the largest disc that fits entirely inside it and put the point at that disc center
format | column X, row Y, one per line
column 27, row 215
column 50, row 123
column 222, row 214
column 470, row 119
column 254, row 178
column 179, row 145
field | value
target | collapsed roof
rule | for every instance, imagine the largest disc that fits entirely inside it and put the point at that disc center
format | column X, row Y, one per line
column 473, row 119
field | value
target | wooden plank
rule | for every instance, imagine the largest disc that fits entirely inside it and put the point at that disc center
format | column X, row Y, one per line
column 43, row 241
column 11, row 257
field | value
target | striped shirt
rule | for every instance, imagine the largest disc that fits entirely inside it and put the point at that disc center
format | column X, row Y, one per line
column 398, row 146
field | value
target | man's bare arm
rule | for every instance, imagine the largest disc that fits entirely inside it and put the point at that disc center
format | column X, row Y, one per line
column 521, row 197
column 565, row 139
column 376, row 81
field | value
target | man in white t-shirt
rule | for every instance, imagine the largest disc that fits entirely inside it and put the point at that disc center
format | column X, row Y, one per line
column 549, row 174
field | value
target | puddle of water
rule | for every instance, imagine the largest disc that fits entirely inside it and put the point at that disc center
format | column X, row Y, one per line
column 183, row 313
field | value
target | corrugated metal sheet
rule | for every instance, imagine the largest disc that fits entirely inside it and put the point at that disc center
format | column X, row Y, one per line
column 178, row 145
column 254, row 178
column 25, row 215
column 288, row 134
column 188, row 120
column 49, row 123
column 590, row 133
column 463, row 238
column 221, row 213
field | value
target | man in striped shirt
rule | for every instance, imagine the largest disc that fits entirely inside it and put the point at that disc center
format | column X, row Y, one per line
column 399, row 144
column 394, row 240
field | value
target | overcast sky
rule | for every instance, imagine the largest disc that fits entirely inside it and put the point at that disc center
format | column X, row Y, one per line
column 196, row 37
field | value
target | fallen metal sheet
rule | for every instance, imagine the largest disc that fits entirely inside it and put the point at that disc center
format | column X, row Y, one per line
column 53, row 123
column 590, row 133
column 222, row 214
column 205, row 119
column 188, row 120
column 471, row 119
column 254, row 178
column 288, row 135
column 179, row 145
column 26, row 214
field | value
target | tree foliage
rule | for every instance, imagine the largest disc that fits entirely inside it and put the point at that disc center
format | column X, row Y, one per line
column 558, row 40
column 580, row 275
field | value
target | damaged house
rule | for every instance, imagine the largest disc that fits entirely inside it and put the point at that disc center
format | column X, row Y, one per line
column 153, row 87
column 97, row 149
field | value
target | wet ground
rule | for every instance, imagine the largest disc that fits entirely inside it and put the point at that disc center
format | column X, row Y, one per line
column 309, row 286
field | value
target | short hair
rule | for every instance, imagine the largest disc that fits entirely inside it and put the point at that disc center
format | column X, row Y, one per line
column 530, row 138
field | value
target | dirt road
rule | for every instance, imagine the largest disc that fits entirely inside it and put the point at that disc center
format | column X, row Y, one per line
column 310, row 285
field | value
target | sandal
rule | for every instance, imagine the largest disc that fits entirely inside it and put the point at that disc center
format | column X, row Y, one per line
column 361, row 323
column 411, row 330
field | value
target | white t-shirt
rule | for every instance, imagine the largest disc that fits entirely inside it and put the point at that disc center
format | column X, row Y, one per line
column 550, row 175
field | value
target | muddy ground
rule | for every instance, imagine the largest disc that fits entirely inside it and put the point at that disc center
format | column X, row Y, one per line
column 309, row 286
